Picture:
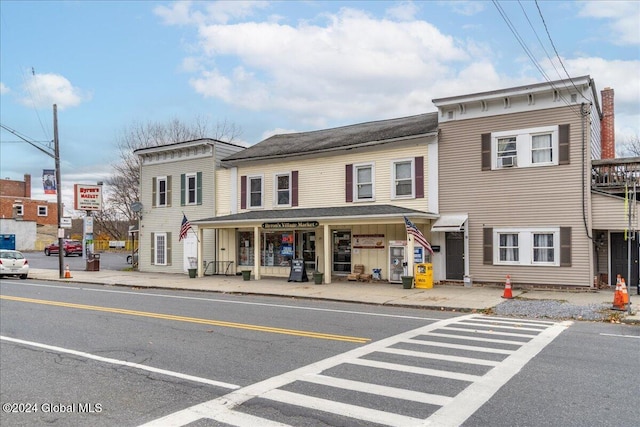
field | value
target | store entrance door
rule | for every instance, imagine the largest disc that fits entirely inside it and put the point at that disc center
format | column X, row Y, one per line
column 341, row 252
column 306, row 248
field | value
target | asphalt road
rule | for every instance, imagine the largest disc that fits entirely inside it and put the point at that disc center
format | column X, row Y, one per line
column 102, row 356
column 108, row 261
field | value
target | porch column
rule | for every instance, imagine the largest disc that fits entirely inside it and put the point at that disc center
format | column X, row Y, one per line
column 256, row 252
column 326, row 246
column 199, row 252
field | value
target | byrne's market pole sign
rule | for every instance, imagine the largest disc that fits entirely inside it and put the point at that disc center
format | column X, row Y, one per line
column 87, row 197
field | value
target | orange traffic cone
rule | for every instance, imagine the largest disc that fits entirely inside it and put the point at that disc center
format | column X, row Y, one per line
column 507, row 288
column 67, row 273
column 625, row 295
column 618, row 298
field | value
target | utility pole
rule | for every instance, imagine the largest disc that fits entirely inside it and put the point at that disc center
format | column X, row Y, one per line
column 56, row 151
column 56, row 157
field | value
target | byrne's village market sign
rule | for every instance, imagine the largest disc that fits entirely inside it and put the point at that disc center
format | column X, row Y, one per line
column 293, row 224
column 87, row 197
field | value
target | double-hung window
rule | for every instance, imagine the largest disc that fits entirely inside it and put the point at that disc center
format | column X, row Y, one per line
column 160, row 249
column 403, row 179
column 525, row 147
column 191, row 188
column 283, row 189
column 364, row 182
column 533, row 246
column 161, row 188
column 255, row 191
column 43, row 211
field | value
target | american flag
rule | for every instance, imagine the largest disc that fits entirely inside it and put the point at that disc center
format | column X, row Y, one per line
column 417, row 235
column 184, row 228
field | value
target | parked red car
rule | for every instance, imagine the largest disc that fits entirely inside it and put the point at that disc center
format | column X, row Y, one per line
column 69, row 247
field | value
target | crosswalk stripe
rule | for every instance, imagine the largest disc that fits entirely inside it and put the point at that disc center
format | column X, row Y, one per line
column 381, row 390
column 343, row 409
column 472, row 338
column 436, row 356
column 501, row 326
column 459, row 346
column 415, row 370
column 489, row 332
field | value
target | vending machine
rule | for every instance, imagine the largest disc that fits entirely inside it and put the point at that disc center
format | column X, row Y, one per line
column 397, row 261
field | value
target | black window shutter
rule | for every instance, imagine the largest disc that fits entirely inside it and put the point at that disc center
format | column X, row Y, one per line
column 169, row 190
column 168, row 243
column 348, row 184
column 486, row 151
column 487, row 246
column 153, row 191
column 563, row 144
column 294, row 188
column 243, row 192
column 419, row 165
column 565, row 246
column 199, row 188
column 182, row 188
column 153, row 248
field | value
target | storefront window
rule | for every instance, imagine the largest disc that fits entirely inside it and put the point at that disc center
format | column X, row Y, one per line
column 245, row 251
column 277, row 248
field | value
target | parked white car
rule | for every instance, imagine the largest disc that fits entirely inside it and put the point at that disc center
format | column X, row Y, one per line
column 13, row 263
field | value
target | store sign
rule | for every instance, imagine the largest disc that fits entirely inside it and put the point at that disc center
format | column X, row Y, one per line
column 368, row 241
column 289, row 225
column 87, row 197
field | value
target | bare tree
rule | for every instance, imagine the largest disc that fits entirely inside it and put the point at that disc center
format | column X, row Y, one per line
column 124, row 188
column 630, row 146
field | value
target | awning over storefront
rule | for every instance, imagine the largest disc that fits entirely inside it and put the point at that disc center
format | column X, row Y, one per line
column 450, row 223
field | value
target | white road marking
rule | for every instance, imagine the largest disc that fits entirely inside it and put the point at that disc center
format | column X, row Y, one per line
column 122, row 363
column 621, row 336
column 291, row 307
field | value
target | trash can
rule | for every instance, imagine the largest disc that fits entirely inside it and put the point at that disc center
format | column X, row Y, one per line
column 424, row 275
column 193, row 272
column 377, row 274
column 468, row 282
column 93, row 262
column 317, row 277
column 246, row 274
column 407, row 282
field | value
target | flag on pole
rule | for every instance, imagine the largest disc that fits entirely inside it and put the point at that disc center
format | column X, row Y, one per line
column 184, row 228
column 417, row 235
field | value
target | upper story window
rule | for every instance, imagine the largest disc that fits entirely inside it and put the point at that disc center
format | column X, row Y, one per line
column 43, row 211
column 531, row 147
column 191, row 188
column 364, row 182
column 255, row 192
column 283, row 189
column 403, row 178
column 161, row 191
column 19, row 210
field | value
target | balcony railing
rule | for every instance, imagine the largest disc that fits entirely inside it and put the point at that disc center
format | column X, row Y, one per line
column 613, row 174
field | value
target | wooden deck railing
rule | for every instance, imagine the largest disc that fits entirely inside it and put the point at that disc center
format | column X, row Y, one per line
column 613, row 174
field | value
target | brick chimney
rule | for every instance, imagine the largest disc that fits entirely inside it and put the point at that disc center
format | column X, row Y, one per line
column 607, row 129
column 27, row 185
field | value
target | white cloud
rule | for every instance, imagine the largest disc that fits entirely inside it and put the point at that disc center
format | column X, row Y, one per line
column 623, row 17
column 4, row 89
column 404, row 11
column 220, row 12
column 467, row 8
column 44, row 90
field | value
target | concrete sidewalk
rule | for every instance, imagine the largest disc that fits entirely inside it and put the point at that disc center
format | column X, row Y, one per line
column 440, row 297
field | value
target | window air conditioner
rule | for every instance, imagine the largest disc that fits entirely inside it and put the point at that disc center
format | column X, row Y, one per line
column 507, row 162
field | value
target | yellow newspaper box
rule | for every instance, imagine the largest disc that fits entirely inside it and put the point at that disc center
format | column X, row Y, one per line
column 424, row 275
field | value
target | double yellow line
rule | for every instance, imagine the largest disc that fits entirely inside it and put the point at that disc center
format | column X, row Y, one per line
column 219, row 323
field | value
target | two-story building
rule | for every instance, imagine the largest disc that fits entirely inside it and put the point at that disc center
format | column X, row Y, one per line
column 177, row 181
column 333, row 198
column 518, row 190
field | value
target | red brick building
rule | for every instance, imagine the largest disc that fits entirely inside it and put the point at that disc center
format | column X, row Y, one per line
column 16, row 203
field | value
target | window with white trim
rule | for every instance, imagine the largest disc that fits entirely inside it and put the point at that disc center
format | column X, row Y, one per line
column 525, row 147
column 43, row 210
column 256, row 189
column 283, row 189
column 403, row 179
column 160, row 249
column 19, row 210
column 533, row 246
column 191, row 188
column 363, row 182
column 162, row 189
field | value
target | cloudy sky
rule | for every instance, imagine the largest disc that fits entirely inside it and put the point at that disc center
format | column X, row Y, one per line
column 282, row 66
